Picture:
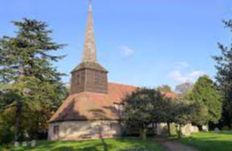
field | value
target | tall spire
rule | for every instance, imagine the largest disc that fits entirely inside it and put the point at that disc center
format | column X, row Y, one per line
column 89, row 54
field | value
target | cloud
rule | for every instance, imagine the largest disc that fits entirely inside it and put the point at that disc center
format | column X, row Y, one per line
column 181, row 73
column 180, row 77
column 181, row 65
column 127, row 51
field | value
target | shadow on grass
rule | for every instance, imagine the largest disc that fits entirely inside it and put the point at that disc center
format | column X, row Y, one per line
column 63, row 146
column 74, row 146
column 119, row 144
column 134, row 149
column 90, row 148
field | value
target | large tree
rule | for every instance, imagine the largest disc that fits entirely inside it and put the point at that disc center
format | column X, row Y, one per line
column 30, row 85
column 224, row 77
column 208, row 101
column 182, row 114
column 142, row 108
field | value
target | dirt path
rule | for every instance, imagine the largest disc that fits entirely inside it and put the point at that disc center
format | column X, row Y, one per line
column 172, row 145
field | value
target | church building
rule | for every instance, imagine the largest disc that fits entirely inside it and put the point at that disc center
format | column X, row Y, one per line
column 93, row 108
column 94, row 105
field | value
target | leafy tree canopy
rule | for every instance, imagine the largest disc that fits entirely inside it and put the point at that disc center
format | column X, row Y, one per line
column 29, row 83
column 142, row 108
column 164, row 88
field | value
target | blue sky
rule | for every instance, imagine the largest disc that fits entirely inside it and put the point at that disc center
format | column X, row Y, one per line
column 140, row 42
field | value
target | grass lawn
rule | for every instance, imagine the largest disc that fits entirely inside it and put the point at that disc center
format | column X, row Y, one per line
column 210, row 141
column 94, row 145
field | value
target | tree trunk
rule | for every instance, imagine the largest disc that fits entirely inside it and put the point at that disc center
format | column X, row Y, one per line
column 153, row 128
column 169, row 129
column 179, row 131
column 18, row 111
column 200, row 127
column 143, row 133
column 18, row 120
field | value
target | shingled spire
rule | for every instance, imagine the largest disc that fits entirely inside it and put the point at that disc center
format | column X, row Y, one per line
column 89, row 54
column 89, row 75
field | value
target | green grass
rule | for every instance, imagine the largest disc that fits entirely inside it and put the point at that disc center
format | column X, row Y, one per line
column 94, row 145
column 210, row 141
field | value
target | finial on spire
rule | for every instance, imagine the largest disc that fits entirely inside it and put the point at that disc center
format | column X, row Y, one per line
column 89, row 54
column 90, row 5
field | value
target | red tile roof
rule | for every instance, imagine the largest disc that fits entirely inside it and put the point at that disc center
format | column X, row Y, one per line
column 117, row 91
column 170, row 95
column 95, row 106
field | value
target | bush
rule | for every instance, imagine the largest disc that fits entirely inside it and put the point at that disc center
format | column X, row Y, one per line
column 225, row 128
column 6, row 127
column 6, row 134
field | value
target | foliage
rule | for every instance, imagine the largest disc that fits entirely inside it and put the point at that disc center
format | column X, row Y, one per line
column 30, row 85
column 164, row 88
column 147, row 106
column 182, row 114
column 208, row 101
column 142, row 108
column 6, row 127
column 165, row 112
column 200, row 113
column 224, row 77
column 95, row 145
column 210, row 141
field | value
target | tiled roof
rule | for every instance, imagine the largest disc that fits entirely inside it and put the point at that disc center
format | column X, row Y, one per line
column 95, row 106
column 170, row 95
column 118, row 91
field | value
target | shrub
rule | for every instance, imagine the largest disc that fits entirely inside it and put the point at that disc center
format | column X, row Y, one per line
column 225, row 128
column 6, row 134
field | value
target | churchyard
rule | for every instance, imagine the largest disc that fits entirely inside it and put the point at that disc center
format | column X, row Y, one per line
column 40, row 111
column 203, row 141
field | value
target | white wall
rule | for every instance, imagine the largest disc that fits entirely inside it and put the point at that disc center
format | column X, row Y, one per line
column 76, row 130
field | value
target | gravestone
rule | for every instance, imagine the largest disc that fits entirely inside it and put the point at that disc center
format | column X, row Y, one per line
column 216, row 130
column 33, row 143
column 16, row 144
column 24, row 144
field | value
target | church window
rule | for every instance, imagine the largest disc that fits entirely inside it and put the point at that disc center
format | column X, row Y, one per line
column 56, row 130
column 111, row 126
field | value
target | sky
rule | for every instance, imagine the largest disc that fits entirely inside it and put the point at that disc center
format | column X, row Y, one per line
column 140, row 42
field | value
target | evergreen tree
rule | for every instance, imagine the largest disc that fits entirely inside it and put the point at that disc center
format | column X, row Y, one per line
column 224, row 77
column 208, row 101
column 29, row 82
